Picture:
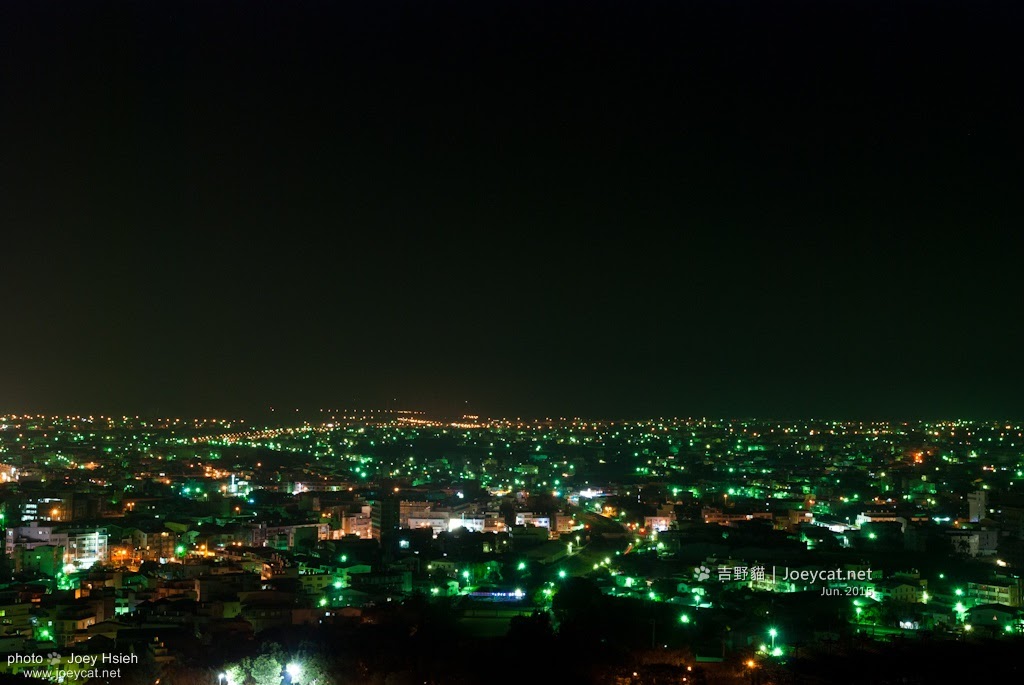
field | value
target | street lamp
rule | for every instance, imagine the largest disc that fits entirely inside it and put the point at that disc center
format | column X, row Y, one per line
column 773, row 634
column 961, row 612
column 221, row 677
column 294, row 671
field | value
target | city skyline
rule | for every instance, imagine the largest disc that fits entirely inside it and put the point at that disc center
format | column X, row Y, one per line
column 553, row 341
column 362, row 548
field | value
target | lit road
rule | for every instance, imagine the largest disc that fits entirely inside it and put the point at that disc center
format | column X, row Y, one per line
column 617, row 537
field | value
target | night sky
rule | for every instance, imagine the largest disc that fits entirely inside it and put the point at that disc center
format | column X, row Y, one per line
column 602, row 209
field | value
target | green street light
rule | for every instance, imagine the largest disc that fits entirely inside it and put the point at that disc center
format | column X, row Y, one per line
column 773, row 633
column 684, row 618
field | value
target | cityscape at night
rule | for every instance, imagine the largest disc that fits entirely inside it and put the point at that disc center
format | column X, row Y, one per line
column 373, row 542
column 584, row 342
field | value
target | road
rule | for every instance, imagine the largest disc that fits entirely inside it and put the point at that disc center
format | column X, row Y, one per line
column 602, row 524
column 616, row 537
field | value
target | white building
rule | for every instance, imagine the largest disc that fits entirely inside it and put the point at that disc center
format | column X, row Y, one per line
column 471, row 523
column 524, row 518
column 977, row 505
column 438, row 523
column 83, row 547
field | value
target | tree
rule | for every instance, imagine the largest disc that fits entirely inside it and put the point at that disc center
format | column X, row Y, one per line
column 577, row 598
column 315, row 669
column 238, row 673
column 531, row 630
column 266, row 670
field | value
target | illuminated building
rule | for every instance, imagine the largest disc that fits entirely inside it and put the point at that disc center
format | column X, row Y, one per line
column 82, row 546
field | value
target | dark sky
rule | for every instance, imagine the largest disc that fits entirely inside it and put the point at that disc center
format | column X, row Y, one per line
column 611, row 209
